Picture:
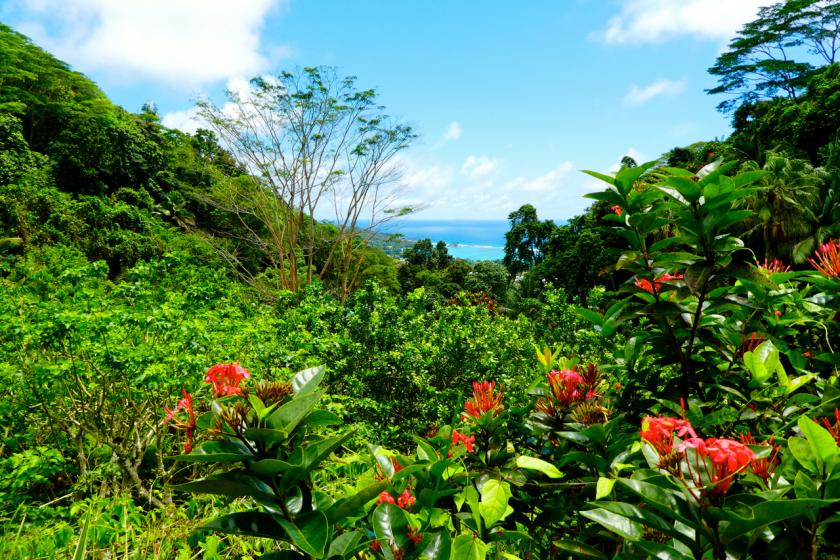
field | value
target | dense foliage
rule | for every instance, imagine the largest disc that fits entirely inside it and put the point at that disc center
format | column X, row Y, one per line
column 195, row 367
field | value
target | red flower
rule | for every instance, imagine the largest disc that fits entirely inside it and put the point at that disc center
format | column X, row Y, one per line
column 226, row 379
column 773, row 266
column 660, row 431
column 484, row 400
column 828, row 259
column 414, row 536
column 375, row 545
column 566, row 388
column 728, row 458
column 655, row 286
column 385, row 498
column 751, row 343
column 187, row 425
column 459, row 437
column 406, row 500
column 763, row 468
column 617, row 210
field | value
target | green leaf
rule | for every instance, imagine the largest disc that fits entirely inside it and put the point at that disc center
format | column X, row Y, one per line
column 351, row 506
column 230, row 484
column 307, row 380
column 581, row 550
column 590, row 315
column 438, row 547
column 468, row 547
column 247, row 523
column 618, row 524
column 346, row 545
column 81, row 545
column 802, row 452
column 390, row 524
column 804, row 487
column 322, row 418
column 768, row 513
column 662, row 551
column 217, row 452
column 287, row 417
column 822, row 443
column 270, row 467
column 495, row 495
column 309, row 532
column 604, row 487
column 534, row 464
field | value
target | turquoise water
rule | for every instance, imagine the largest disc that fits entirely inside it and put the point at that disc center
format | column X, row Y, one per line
column 476, row 240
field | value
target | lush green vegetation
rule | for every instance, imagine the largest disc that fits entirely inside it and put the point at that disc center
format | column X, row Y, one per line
column 197, row 367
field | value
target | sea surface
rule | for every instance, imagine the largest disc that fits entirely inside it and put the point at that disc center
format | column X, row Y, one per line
column 475, row 240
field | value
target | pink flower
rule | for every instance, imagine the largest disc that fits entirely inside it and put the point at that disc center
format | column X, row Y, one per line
column 385, row 498
column 660, row 431
column 226, row 379
column 828, row 259
column 406, row 500
column 188, row 425
column 617, row 210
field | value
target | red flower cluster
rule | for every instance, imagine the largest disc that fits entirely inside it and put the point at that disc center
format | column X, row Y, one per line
column 763, row 468
column 617, row 210
column 484, row 399
column 715, row 462
column 187, row 425
column 828, row 259
column 462, row 438
column 751, row 343
column 226, row 379
column 773, row 266
column 654, row 287
column 660, row 431
column 566, row 388
column 405, row 501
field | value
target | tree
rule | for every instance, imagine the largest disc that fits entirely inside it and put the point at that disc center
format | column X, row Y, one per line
column 310, row 140
column 525, row 241
column 769, row 56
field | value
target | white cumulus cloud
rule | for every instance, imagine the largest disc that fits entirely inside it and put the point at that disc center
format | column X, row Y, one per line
column 479, row 166
column 548, row 182
column 638, row 95
column 654, row 21
column 453, row 132
column 184, row 42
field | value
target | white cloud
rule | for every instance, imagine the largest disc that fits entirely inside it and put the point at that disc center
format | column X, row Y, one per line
column 631, row 152
column 453, row 132
column 479, row 166
column 639, row 95
column 654, row 21
column 186, row 121
column 548, row 182
column 179, row 42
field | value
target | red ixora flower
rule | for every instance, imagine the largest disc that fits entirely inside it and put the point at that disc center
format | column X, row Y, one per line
column 659, row 431
column 655, row 286
column 617, row 210
column 714, row 463
column 385, row 498
column 567, row 387
column 406, row 500
column 458, row 437
column 414, row 536
column 833, row 429
column 773, row 266
column 485, row 399
column 188, row 425
column 763, row 468
column 828, row 258
column 226, row 379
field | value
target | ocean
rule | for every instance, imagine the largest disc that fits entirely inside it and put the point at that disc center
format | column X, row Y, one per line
column 475, row 240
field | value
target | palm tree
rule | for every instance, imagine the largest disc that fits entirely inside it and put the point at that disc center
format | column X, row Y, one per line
column 827, row 223
column 786, row 206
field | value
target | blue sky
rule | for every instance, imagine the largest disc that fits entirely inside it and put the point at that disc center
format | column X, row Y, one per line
column 511, row 100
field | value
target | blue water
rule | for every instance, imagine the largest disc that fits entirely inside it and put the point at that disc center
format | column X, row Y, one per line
column 475, row 240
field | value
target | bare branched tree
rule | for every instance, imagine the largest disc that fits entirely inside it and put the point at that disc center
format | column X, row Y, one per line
column 310, row 140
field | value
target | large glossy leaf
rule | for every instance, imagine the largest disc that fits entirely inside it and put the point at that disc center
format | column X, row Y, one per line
column 495, row 495
column 390, row 524
column 309, row 532
column 270, row 467
column 307, row 380
column 217, row 452
column 580, row 550
column 248, row 523
column 437, row 546
column 349, row 507
column 230, row 484
column 346, row 545
column 823, row 444
column 534, row 464
column 287, row 417
column 664, row 499
column 616, row 523
column 767, row 513
column 468, row 547
column 662, row 551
